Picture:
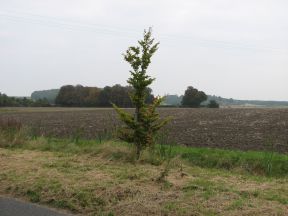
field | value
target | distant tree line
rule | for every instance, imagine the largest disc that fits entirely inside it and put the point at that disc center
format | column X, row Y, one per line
column 80, row 96
column 83, row 96
column 6, row 101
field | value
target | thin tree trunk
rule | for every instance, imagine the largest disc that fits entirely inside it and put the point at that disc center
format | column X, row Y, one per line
column 136, row 142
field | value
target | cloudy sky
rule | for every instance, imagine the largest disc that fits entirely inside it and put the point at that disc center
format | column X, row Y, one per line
column 229, row 48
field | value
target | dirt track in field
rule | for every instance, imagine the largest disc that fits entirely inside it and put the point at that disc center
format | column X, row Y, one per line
column 245, row 129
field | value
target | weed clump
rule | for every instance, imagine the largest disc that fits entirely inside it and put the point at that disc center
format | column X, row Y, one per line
column 12, row 132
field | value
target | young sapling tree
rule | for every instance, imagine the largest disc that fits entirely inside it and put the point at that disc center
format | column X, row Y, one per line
column 141, row 127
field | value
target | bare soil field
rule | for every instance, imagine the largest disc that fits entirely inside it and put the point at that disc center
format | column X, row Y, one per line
column 243, row 128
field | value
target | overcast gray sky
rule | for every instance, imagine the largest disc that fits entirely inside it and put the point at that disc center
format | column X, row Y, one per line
column 230, row 48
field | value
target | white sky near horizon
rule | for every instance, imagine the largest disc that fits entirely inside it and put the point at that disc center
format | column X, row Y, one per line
column 230, row 48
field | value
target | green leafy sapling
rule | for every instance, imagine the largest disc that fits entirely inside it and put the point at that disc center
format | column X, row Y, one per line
column 141, row 127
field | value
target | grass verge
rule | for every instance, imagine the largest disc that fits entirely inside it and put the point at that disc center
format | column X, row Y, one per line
column 99, row 179
column 269, row 164
column 102, row 178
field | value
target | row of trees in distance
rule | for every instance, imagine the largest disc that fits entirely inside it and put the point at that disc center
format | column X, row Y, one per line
column 82, row 96
column 6, row 101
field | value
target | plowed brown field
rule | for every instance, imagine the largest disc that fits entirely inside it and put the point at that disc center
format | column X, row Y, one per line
column 245, row 129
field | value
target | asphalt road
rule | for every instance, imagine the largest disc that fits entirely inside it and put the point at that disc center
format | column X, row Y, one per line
column 12, row 207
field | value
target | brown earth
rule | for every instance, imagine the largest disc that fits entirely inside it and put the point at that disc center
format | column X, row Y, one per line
column 243, row 128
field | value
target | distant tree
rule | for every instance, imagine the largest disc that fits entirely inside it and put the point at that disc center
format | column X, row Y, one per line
column 25, row 102
column 213, row 104
column 119, row 96
column 193, row 97
column 91, row 98
column 41, row 103
column 149, row 96
column 172, row 100
column 144, row 124
column 66, row 96
column 50, row 95
column 104, row 97
column 4, row 100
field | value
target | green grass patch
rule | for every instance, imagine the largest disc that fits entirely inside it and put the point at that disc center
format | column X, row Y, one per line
column 274, row 195
column 270, row 164
column 206, row 188
column 237, row 204
column 252, row 162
